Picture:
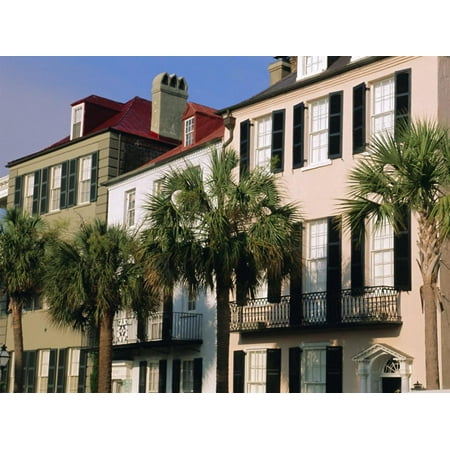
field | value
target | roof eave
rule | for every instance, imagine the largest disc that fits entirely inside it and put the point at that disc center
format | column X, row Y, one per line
column 301, row 83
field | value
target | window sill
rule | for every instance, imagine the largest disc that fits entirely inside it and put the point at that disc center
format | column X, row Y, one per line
column 315, row 166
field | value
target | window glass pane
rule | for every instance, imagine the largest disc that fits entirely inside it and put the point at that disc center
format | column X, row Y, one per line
column 316, row 276
column 28, row 193
column 187, row 376
column 314, row 361
column 382, row 258
column 55, row 187
column 153, row 376
column 319, row 132
column 383, row 101
column 256, row 371
column 85, row 179
column 263, row 142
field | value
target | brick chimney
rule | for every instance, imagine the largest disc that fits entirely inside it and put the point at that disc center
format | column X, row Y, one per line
column 169, row 98
column 279, row 69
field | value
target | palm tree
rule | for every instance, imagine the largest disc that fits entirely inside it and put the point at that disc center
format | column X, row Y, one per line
column 90, row 279
column 409, row 172
column 22, row 247
column 207, row 229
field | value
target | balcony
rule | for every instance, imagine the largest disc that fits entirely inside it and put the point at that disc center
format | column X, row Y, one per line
column 378, row 305
column 159, row 327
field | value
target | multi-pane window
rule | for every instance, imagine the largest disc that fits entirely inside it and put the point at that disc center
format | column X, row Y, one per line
column 314, row 369
column 130, row 207
column 55, row 187
column 28, row 193
column 189, row 131
column 316, row 275
column 256, row 371
column 310, row 65
column 319, row 132
column 157, row 186
column 77, row 121
column 383, row 102
column 74, row 367
column 263, row 142
column 84, row 180
column 382, row 255
column 153, row 376
column 44, row 364
column 187, row 376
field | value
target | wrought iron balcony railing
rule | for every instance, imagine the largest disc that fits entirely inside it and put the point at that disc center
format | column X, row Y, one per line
column 369, row 305
column 178, row 326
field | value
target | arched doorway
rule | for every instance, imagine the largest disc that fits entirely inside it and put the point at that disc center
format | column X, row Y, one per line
column 383, row 369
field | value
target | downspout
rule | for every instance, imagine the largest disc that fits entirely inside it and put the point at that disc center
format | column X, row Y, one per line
column 229, row 122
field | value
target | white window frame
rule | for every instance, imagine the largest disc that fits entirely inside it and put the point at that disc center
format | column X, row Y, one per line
column 157, row 186
column 314, row 368
column 77, row 118
column 255, row 370
column 382, row 255
column 316, row 256
column 263, row 142
column 189, row 131
column 318, row 132
column 310, row 65
column 130, row 208
column 84, row 179
column 55, row 187
column 153, row 376
column 383, row 106
column 187, row 376
column 28, row 193
column 43, row 370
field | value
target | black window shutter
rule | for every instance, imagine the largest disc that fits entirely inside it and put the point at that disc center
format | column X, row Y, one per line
column 51, row 371
column 298, row 136
column 273, row 370
column 334, row 271
column 295, row 310
column 331, row 60
column 61, row 370
column 44, row 191
column 278, row 140
column 274, row 289
column 64, row 187
column 335, row 125
column 244, row 147
column 29, row 376
column 357, row 261
column 162, row 375
column 176, row 375
column 334, row 369
column 72, row 183
column 198, row 374
column 238, row 371
column 18, row 192
column 82, row 370
column 402, row 256
column 94, row 177
column 402, row 96
column 295, row 355
column 142, row 376
column 36, row 192
column 359, row 118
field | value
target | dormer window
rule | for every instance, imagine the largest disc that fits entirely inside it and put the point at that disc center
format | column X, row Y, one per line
column 77, row 121
column 310, row 65
column 189, row 131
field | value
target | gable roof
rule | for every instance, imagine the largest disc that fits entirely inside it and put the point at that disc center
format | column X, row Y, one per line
column 132, row 117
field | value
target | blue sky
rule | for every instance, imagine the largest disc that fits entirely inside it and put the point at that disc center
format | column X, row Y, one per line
column 36, row 92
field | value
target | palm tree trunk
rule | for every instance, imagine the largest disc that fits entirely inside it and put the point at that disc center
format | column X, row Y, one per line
column 16, row 308
column 105, row 353
column 223, row 336
column 431, row 338
column 429, row 263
